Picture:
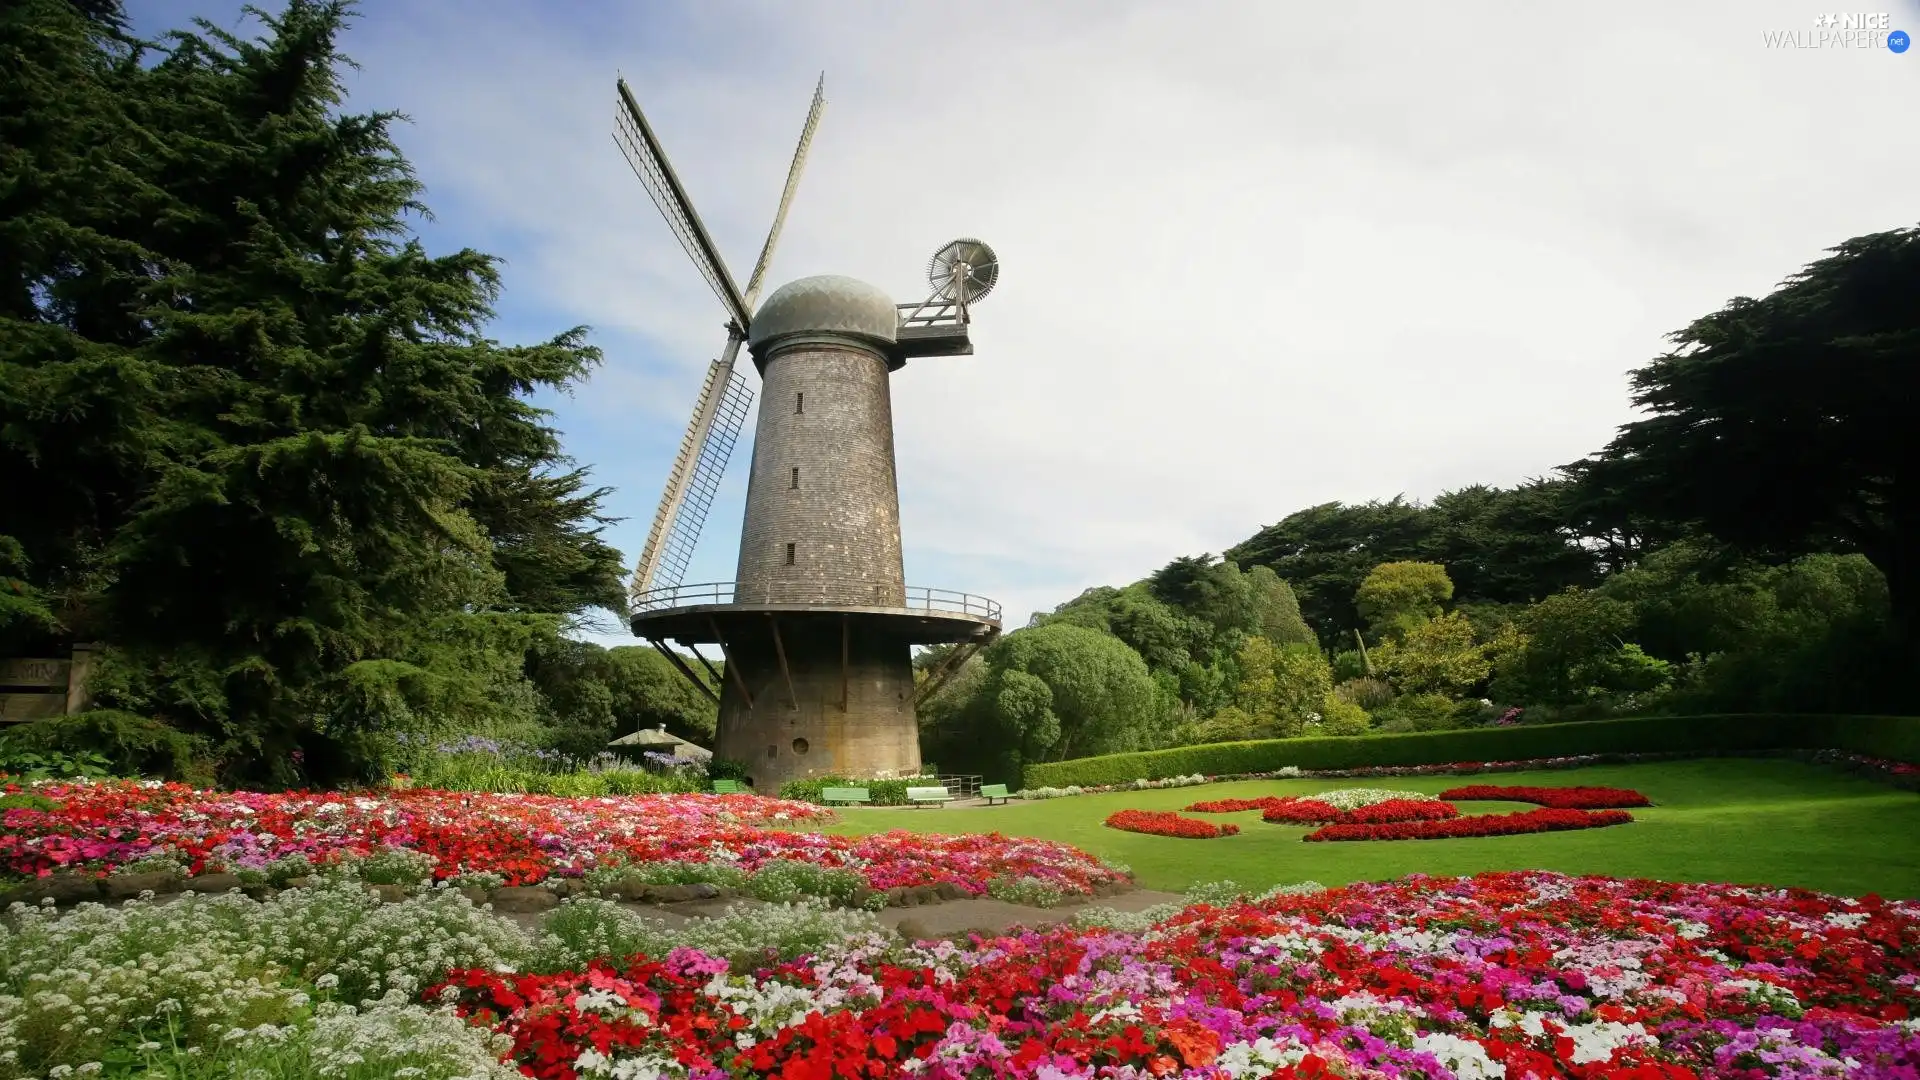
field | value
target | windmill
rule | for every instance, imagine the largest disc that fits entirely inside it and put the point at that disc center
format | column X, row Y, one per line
column 818, row 626
column 725, row 397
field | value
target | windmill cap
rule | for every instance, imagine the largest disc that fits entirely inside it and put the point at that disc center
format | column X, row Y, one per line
column 827, row 304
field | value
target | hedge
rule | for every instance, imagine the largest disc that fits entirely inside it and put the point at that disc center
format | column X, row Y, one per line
column 1895, row 738
column 883, row 792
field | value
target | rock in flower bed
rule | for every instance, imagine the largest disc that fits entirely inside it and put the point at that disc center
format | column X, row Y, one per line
column 1168, row 823
column 1560, row 798
column 1526, row 821
column 1503, row 975
column 512, row 840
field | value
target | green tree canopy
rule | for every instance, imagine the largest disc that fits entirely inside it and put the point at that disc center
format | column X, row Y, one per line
column 255, row 436
column 1397, row 596
column 1044, row 694
column 1783, row 425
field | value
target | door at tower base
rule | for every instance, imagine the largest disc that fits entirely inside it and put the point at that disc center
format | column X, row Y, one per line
column 875, row 736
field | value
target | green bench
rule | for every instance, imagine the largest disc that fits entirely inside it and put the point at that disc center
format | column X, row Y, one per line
column 928, row 796
column 846, row 796
column 729, row 787
column 991, row 792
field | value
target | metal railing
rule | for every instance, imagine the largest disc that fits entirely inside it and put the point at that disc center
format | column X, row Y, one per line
column 829, row 594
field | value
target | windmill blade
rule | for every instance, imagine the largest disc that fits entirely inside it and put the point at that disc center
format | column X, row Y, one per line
column 718, row 416
column 786, row 196
column 643, row 151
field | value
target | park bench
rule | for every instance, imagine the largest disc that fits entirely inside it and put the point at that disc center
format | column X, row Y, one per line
column 928, row 796
column 991, row 792
column 846, row 796
column 729, row 787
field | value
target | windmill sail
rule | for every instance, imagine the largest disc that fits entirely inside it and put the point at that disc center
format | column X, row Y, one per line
column 718, row 416
column 721, row 410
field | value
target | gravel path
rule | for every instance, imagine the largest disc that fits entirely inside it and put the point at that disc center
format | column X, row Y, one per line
column 945, row 919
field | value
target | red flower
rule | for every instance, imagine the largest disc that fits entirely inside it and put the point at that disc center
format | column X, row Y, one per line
column 1315, row 812
column 1561, row 798
column 1168, row 823
column 1526, row 821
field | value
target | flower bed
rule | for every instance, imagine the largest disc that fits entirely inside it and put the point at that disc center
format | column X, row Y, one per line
column 1314, row 811
column 1507, row 974
column 524, row 839
column 1559, row 798
column 1168, row 823
column 1526, row 821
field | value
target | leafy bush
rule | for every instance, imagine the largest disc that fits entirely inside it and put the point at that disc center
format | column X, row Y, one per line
column 1027, row 891
column 892, row 792
column 1367, row 692
column 1893, row 737
column 666, row 872
column 783, row 882
column 1417, row 712
column 1341, row 717
column 728, row 769
column 126, row 744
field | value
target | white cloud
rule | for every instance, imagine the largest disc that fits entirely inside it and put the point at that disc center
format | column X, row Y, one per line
column 1255, row 256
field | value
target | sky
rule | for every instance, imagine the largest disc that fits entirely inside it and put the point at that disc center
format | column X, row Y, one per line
column 1255, row 256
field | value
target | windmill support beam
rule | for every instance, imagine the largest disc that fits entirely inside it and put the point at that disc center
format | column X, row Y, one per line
column 786, row 672
column 733, row 669
column 705, row 663
column 950, row 666
column 681, row 666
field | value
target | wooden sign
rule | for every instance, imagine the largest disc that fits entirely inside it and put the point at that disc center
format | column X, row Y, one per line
column 19, row 707
column 35, row 673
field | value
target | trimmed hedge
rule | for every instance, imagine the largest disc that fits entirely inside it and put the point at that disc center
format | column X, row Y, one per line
column 883, row 792
column 1893, row 737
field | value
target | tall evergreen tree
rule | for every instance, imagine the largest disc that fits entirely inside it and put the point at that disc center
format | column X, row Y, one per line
column 256, row 436
column 1784, row 426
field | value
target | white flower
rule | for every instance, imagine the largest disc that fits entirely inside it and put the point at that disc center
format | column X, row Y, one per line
column 1465, row 1058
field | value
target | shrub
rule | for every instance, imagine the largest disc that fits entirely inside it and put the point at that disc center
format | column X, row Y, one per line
column 1366, row 692
column 783, row 882
column 1896, row 738
column 130, row 745
column 891, row 792
column 1417, row 712
column 1026, row 891
column 1341, row 717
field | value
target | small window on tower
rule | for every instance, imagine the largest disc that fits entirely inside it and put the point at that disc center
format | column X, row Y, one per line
column 799, row 404
column 796, row 476
column 789, row 554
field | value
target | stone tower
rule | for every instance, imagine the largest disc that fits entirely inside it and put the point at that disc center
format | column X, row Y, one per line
column 818, row 625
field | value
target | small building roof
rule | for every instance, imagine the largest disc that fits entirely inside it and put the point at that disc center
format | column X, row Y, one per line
column 658, row 738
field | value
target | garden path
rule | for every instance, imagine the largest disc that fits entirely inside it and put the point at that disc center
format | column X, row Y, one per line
column 925, row 921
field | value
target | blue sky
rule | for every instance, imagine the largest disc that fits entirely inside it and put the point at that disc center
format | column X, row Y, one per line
column 1255, row 256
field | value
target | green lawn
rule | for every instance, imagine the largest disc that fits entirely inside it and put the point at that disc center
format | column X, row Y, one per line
column 1746, row 821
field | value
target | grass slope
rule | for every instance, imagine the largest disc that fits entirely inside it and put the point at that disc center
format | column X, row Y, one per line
column 1742, row 821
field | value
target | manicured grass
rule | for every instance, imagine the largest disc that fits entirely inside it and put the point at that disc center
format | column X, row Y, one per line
column 1743, row 821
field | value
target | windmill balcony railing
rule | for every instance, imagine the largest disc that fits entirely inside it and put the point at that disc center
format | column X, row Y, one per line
column 833, row 594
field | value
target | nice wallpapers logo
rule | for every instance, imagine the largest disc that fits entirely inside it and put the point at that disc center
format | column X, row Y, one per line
column 1844, row 30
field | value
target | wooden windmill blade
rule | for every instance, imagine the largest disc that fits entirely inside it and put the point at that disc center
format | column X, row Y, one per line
column 649, row 161
column 725, row 398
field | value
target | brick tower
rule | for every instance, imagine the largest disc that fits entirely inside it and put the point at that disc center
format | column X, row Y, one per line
column 818, row 625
